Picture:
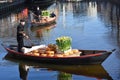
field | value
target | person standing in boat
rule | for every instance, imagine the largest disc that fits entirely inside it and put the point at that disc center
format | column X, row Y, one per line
column 20, row 35
column 38, row 15
column 52, row 15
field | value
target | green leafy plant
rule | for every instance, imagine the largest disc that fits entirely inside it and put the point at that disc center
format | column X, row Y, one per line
column 64, row 43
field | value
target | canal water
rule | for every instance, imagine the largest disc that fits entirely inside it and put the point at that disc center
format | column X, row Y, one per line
column 92, row 25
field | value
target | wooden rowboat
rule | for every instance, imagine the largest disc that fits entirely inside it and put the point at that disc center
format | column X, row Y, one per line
column 39, row 29
column 87, row 57
column 44, row 22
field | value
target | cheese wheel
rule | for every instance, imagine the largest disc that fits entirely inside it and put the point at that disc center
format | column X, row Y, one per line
column 58, row 55
column 75, row 50
column 50, row 55
column 43, row 54
column 41, row 51
column 49, row 52
column 35, row 51
column 36, row 54
column 66, row 54
column 71, row 52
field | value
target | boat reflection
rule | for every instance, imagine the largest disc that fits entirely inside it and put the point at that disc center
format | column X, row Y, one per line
column 64, row 76
column 39, row 30
column 65, row 71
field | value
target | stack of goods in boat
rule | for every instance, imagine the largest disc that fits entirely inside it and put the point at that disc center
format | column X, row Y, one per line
column 45, row 13
column 46, row 16
column 62, row 48
column 64, row 43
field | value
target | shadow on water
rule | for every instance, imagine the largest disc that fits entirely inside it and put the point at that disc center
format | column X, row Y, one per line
column 64, row 71
column 39, row 30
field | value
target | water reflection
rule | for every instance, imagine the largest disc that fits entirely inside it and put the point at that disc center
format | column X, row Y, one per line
column 64, row 76
column 23, row 71
column 8, row 24
column 65, row 72
column 41, row 30
column 91, row 24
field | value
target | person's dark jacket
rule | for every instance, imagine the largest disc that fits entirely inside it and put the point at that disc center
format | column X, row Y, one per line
column 52, row 15
column 20, row 36
column 20, row 29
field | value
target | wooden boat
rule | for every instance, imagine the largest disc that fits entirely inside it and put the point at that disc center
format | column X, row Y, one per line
column 87, row 57
column 38, row 29
column 44, row 22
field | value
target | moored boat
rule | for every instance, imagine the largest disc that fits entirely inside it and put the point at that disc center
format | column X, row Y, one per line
column 43, row 18
column 86, row 57
column 38, row 29
column 44, row 22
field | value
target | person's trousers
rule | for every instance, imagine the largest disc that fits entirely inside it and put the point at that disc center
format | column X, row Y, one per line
column 20, row 43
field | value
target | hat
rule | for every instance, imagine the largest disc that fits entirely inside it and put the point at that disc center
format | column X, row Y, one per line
column 22, row 20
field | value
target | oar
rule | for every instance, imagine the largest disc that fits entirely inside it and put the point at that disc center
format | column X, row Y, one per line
column 111, row 50
column 34, row 14
column 27, row 37
column 31, row 41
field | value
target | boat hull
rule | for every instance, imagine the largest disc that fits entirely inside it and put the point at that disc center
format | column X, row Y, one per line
column 94, row 57
column 52, row 21
column 64, row 61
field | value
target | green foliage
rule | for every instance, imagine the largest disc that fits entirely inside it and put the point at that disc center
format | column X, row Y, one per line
column 45, row 13
column 64, row 43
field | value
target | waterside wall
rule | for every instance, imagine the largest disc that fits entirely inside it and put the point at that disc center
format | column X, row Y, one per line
column 115, row 1
column 10, row 6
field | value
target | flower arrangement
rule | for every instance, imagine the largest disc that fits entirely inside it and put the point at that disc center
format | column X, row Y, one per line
column 64, row 43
